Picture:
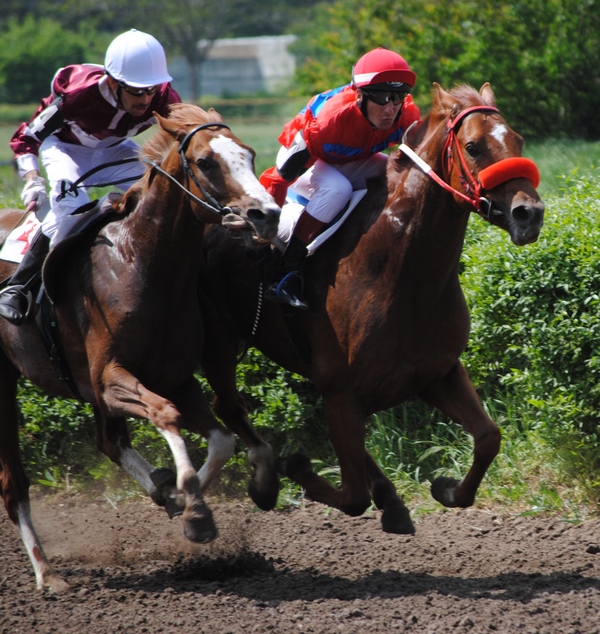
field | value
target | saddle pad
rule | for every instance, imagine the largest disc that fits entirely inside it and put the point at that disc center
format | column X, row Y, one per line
column 17, row 242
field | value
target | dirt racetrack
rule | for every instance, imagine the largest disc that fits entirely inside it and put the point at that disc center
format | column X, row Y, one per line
column 300, row 570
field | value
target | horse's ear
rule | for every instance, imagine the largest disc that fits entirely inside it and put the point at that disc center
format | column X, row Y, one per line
column 161, row 120
column 169, row 126
column 411, row 136
column 442, row 101
column 487, row 94
column 214, row 113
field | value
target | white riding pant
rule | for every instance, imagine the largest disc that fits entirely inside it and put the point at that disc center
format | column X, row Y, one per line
column 68, row 162
column 328, row 188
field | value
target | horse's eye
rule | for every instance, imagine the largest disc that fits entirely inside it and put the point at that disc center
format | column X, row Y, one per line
column 473, row 149
column 204, row 165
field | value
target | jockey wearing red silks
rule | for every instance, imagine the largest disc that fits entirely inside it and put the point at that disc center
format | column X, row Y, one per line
column 330, row 149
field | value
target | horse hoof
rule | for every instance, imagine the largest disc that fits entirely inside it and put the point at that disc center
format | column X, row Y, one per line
column 55, row 584
column 165, row 493
column 397, row 520
column 265, row 498
column 199, row 526
column 443, row 489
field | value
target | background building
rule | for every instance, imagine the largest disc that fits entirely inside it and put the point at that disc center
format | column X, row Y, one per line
column 240, row 66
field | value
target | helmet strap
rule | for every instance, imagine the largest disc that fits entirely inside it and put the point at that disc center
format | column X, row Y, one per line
column 117, row 92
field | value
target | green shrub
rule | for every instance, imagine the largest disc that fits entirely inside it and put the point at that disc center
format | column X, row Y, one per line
column 535, row 338
column 57, row 436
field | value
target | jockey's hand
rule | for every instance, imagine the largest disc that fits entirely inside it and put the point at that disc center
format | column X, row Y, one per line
column 34, row 194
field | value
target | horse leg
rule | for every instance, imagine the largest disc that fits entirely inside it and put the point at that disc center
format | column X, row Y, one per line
column 198, row 417
column 395, row 517
column 113, row 440
column 230, row 407
column 14, row 484
column 346, row 430
column 455, row 396
column 124, row 395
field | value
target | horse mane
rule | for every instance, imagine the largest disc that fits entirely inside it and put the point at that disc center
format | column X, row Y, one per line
column 466, row 96
column 184, row 115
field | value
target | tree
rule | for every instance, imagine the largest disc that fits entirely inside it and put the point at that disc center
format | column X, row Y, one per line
column 541, row 56
column 30, row 55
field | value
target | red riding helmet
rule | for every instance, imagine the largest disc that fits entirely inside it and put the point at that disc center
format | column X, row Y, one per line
column 384, row 70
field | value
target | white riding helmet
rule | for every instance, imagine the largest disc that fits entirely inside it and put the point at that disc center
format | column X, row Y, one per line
column 137, row 59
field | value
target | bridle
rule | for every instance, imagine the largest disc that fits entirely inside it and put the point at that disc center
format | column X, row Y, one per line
column 490, row 177
column 471, row 187
column 209, row 202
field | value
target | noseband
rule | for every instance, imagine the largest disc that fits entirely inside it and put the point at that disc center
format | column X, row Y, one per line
column 490, row 177
column 209, row 202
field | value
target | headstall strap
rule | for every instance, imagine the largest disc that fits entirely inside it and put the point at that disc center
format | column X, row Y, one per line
column 210, row 203
column 470, row 185
column 189, row 173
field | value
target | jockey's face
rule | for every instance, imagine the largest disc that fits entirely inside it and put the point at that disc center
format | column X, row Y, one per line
column 381, row 117
column 135, row 104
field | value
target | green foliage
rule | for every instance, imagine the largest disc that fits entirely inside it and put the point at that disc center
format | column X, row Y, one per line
column 57, row 436
column 536, row 326
column 284, row 407
column 30, row 54
column 541, row 57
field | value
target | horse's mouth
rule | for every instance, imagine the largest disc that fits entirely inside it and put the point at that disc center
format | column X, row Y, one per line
column 245, row 229
column 236, row 223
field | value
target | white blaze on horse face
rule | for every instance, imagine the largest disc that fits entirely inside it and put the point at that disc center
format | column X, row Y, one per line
column 499, row 132
column 239, row 161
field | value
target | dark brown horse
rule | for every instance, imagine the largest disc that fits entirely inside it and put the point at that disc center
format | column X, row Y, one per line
column 127, row 305
column 388, row 318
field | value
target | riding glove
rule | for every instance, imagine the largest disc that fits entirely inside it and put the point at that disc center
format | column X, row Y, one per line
column 35, row 192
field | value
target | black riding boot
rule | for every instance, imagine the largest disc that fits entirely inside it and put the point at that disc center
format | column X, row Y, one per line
column 287, row 284
column 14, row 299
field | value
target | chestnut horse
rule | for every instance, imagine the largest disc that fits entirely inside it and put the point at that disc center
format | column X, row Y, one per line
column 127, row 307
column 388, row 320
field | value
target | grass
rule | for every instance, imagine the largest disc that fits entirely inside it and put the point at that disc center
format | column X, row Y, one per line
column 557, row 159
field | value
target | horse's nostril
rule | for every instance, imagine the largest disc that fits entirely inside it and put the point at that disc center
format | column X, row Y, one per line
column 256, row 214
column 522, row 213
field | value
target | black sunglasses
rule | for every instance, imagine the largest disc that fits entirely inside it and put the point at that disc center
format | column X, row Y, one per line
column 137, row 92
column 381, row 98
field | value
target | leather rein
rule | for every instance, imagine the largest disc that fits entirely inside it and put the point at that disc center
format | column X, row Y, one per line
column 473, row 189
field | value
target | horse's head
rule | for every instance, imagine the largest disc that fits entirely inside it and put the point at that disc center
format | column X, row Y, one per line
column 481, row 160
column 216, row 170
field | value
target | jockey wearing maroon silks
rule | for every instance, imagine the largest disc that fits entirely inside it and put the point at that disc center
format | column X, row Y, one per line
column 330, row 149
column 86, row 122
